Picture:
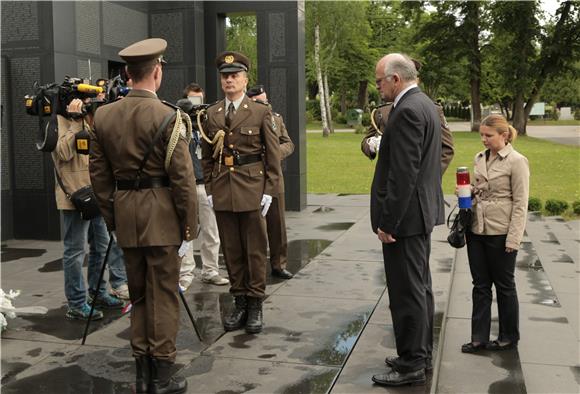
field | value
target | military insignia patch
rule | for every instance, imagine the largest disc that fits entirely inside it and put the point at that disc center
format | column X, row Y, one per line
column 183, row 131
column 229, row 59
column 274, row 124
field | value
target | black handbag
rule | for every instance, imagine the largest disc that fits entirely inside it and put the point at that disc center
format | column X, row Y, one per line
column 84, row 200
column 461, row 223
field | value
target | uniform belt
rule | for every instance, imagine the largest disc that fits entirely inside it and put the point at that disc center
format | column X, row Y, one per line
column 155, row 182
column 240, row 160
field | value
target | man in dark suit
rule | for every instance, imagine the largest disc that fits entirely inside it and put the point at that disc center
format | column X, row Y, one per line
column 406, row 203
column 152, row 207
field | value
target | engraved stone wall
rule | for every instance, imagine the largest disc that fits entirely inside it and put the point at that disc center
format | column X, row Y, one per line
column 277, row 30
column 83, row 70
column 88, row 27
column 169, row 27
column 172, row 85
column 6, row 164
column 277, row 93
column 123, row 26
column 19, row 21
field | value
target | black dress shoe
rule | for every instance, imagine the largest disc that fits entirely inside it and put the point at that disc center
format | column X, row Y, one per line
column 394, row 378
column 283, row 273
column 391, row 362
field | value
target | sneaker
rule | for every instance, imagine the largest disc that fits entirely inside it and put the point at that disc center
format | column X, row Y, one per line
column 185, row 282
column 121, row 292
column 216, row 280
column 83, row 312
column 107, row 301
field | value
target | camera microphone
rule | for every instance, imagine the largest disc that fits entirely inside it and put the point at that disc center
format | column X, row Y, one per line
column 86, row 88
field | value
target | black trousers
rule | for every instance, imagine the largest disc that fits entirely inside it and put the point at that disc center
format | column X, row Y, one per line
column 491, row 265
column 411, row 299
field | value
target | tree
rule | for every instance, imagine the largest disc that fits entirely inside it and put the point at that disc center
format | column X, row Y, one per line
column 527, row 55
column 242, row 36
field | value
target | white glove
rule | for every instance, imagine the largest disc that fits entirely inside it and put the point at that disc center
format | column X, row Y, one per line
column 210, row 201
column 374, row 143
column 265, row 204
column 185, row 246
column 113, row 235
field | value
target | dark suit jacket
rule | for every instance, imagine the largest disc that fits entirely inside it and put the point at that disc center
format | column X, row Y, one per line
column 406, row 195
column 124, row 130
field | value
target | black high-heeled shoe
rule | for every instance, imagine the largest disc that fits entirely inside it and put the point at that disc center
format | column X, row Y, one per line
column 470, row 347
column 497, row 346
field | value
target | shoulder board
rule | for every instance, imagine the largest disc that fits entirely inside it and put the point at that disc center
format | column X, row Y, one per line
column 173, row 106
column 276, row 114
column 260, row 102
column 214, row 103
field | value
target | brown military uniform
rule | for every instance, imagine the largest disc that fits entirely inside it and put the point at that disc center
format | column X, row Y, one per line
column 150, row 223
column 382, row 115
column 276, row 221
column 237, row 189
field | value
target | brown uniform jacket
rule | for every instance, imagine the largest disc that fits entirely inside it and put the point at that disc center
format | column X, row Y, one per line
column 501, row 193
column 381, row 116
column 252, row 132
column 286, row 144
column 72, row 167
column 124, row 130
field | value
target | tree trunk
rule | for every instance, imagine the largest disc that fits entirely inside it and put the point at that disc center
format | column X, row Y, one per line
column 472, row 25
column 519, row 117
column 325, row 129
column 362, row 94
column 327, row 103
column 343, row 103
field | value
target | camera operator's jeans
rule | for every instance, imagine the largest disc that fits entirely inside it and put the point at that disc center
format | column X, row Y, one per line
column 76, row 234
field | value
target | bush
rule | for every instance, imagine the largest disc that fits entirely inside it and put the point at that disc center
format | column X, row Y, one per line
column 576, row 207
column 360, row 130
column 309, row 117
column 556, row 207
column 534, row 204
column 577, row 114
column 366, row 119
column 313, row 106
column 340, row 118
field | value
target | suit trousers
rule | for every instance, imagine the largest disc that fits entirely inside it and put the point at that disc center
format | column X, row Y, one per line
column 277, row 239
column 244, row 243
column 153, row 275
column 411, row 299
column 491, row 265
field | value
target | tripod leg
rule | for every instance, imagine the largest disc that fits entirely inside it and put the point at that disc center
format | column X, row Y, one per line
column 189, row 313
column 101, row 274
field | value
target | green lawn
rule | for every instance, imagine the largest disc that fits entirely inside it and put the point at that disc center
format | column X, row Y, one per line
column 336, row 165
column 540, row 122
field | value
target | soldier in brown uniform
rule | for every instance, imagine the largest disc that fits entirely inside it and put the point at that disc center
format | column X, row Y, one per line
column 152, row 211
column 241, row 176
column 275, row 219
column 370, row 143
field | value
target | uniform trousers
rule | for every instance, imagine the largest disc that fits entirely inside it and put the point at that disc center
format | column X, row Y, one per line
column 491, row 265
column 153, row 275
column 244, row 243
column 277, row 239
column 411, row 299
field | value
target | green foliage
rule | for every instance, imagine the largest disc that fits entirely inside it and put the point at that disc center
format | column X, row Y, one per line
column 340, row 118
column 576, row 207
column 534, row 204
column 577, row 114
column 556, row 207
column 366, row 119
column 360, row 129
column 313, row 107
column 241, row 36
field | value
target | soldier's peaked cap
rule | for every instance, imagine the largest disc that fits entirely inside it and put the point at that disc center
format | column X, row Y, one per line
column 255, row 91
column 232, row 62
column 144, row 51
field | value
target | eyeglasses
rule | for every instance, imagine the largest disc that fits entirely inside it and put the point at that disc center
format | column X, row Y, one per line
column 378, row 81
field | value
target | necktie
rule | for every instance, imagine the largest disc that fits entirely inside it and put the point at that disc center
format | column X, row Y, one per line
column 230, row 114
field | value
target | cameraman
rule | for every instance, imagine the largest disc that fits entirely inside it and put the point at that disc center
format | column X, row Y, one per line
column 208, row 234
column 73, row 170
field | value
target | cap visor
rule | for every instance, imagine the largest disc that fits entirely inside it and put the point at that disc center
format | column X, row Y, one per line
column 231, row 69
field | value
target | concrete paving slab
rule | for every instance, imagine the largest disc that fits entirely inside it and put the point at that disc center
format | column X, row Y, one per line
column 256, row 376
column 310, row 330
column 546, row 336
column 541, row 379
column 570, row 303
column 367, row 359
column 359, row 280
column 484, row 372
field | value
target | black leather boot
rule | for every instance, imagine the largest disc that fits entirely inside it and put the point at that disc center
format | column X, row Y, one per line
column 254, row 323
column 143, row 374
column 239, row 315
column 162, row 382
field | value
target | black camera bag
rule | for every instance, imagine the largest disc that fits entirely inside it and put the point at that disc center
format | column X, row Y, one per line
column 461, row 223
column 83, row 199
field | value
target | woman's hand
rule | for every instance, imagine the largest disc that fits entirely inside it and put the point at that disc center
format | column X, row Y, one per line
column 509, row 250
column 75, row 107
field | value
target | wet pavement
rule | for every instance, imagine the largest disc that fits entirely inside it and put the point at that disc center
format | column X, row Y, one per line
column 326, row 330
